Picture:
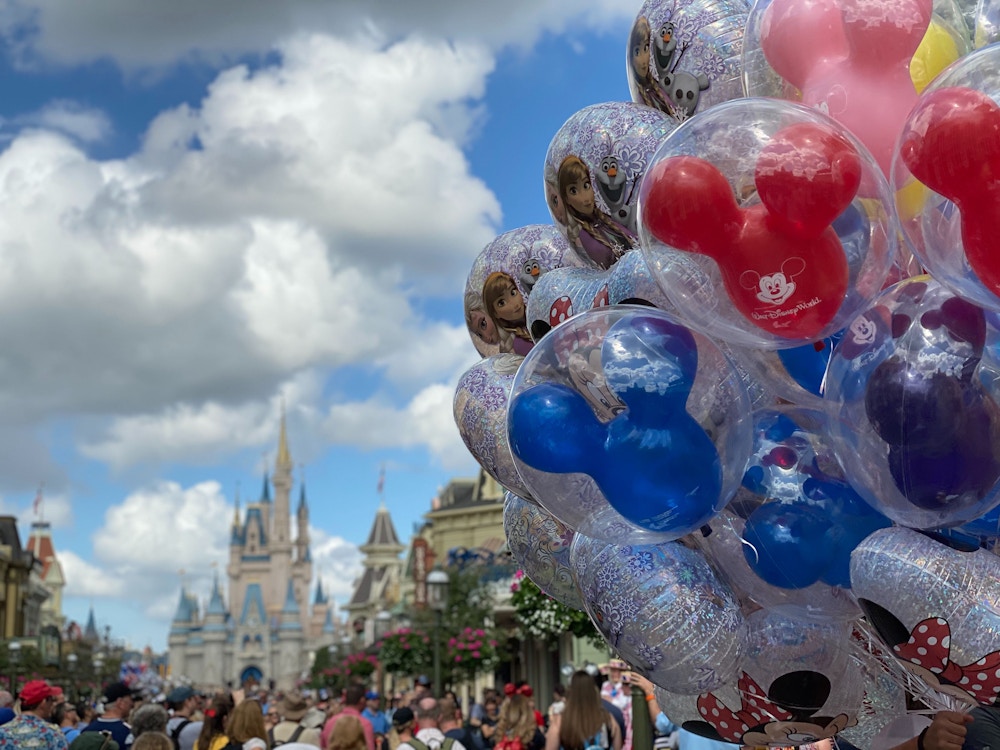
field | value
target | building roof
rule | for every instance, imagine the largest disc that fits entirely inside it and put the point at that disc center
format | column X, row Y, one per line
column 383, row 533
column 368, row 583
column 41, row 546
column 303, row 505
column 255, row 517
column 216, row 606
column 90, row 631
column 253, row 605
column 265, row 493
column 320, row 597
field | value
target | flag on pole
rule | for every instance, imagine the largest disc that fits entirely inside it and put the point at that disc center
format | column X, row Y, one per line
column 381, row 479
column 38, row 500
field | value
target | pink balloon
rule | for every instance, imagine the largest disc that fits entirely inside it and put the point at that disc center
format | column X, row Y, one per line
column 852, row 59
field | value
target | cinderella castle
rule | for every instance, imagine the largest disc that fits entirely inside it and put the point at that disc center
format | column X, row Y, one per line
column 269, row 630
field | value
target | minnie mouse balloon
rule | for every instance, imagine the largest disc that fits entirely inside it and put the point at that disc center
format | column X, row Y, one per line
column 592, row 172
column 684, row 55
column 915, row 383
column 540, row 544
column 745, row 224
column 798, row 685
column 662, row 608
column 630, row 401
column 936, row 609
column 512, row 263
column 480, row 409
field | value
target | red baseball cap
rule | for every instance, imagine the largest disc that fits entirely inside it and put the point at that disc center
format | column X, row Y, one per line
column 36, row 691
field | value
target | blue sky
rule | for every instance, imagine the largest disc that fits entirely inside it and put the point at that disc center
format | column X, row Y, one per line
column 206, row 213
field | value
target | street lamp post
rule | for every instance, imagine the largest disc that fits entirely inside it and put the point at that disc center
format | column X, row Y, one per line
column 14, row 656
column 99, row 670
column 71, row 660
column 437, row 599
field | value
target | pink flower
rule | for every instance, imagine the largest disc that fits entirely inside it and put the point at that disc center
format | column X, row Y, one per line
column 460, row 646
column 480, row 633
column 458, row 657
column 452, row 642
column 467, row 631
column 406, row 647
column 518, row 575
column 427, row 639
column 476, row 655
column 514, row 587
column 493, row 644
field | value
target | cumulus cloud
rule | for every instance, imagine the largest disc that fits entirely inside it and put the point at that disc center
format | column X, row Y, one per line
column 268, row 232
column 140, row 34
column 165, row 527
column 87, row 580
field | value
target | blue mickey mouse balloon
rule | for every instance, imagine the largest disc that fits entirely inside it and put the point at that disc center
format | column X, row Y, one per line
column 653, row 415
column 807, row 519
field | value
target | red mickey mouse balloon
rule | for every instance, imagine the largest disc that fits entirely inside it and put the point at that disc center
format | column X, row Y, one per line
column 951, row 143
column 782, row 264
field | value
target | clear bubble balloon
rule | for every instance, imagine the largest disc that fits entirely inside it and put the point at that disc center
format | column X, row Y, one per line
column 684, row 56
column 626, row 425
column 915, row 381
column 852, row 59
column 662, row 609
column 540, row 544
column 935, row 609
column 513, row 260
column 798, row 685
column 480, row 410
column 566, row 292
column 767, row 224
column 947, row 174
column 592, row 172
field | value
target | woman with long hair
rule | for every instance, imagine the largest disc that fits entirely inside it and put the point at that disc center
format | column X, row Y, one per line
column 517, row 728
column 246, row 726
column 213, row 730
column 347, row 734
column 600, row 237
column 583, row 723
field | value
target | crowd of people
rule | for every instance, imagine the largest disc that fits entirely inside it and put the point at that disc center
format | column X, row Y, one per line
column 614, row 710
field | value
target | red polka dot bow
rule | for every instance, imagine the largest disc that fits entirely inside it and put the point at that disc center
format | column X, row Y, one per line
column 755, row 709
column 930, row 647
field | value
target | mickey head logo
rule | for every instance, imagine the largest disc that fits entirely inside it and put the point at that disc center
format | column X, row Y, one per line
column 863, row 331
column 777, row 287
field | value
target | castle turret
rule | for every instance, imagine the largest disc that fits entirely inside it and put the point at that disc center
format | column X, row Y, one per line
column 214, row 637
column 290, row 640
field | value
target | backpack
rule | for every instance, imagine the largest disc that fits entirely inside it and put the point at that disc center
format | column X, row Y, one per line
column 295, row 736
column 175, row 733
column 418, row 745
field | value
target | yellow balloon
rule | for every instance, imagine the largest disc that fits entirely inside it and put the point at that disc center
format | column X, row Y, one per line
column 938, row 49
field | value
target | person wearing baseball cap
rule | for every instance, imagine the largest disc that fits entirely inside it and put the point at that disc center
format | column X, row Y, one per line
column 183, row 703
column 118, row 701
column 33, row 728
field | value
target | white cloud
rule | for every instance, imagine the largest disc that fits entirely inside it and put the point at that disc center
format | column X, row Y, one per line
column 270, row 232
column 87, row 580
column 163, row 528
column 72, row 118
column 336, row 561
column 144, row 33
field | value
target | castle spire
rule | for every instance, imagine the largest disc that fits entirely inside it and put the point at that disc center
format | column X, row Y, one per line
column 284, row 460
column 236, row 508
